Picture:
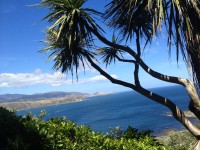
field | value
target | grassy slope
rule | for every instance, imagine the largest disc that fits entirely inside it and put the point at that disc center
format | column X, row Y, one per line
column 177, row 140
column 39, row 103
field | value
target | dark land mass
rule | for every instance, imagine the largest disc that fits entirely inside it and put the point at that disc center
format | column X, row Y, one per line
column 38, row 96
column 22, row 101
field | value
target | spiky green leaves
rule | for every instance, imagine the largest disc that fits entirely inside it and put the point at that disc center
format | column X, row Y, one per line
column 69, row 36
column 67, row 58
column 110, row 54
column 70, row 20
column 129, row 16
column 181, row 19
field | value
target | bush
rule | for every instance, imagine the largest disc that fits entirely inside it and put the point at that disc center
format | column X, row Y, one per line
column 32, row 133
column 178, row 140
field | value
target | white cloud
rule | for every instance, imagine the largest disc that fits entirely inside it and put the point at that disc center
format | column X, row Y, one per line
column 95, row 79
column 11, row 80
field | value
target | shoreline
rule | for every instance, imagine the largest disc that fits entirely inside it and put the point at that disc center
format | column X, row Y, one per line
column 30, row 104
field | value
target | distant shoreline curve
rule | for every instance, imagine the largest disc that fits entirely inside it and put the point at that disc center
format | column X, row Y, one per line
column 25, row 105
column 30, row 104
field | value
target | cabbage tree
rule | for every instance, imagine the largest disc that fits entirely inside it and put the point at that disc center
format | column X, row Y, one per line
column 70, row 41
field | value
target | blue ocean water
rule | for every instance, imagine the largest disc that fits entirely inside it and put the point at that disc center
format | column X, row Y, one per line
column 121, row 109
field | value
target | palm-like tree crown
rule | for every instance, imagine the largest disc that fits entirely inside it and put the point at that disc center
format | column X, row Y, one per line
column 110, row 54
column 69, row 35
column 124, row 16
column 180, row 17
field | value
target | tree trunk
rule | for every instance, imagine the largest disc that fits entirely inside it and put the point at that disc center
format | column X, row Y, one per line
column 195, row 63
column 194, row 105
column 177, row 113
column 195, row 108
column 196, row 146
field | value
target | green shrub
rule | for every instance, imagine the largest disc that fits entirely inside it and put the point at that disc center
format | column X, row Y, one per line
column 32, row 133
column 179, row 140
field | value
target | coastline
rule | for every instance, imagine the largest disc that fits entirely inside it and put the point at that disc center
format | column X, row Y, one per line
column 29, row 104
column 24, row 105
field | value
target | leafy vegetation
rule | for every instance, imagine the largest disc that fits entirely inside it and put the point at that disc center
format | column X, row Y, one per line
column 71, row 43
column 177, row 140
column 31, row 133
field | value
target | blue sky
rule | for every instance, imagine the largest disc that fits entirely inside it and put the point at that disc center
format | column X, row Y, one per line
column 23, row 70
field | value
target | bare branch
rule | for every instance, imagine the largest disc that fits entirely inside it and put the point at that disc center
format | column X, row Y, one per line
column 171, row 79
column 125, row 60
column 177, row 113
column 102, row 72
column 136, row 72
column 139, row 60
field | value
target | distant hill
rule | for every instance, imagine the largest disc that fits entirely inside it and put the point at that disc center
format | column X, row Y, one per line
column 38, row 96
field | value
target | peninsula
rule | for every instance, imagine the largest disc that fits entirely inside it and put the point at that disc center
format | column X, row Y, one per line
column 22, row 101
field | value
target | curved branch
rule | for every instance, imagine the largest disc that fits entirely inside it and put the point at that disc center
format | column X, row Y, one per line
column 177, row 113
column 102, row 72
column 125, row 60
column 181, row 81
column 138, row 59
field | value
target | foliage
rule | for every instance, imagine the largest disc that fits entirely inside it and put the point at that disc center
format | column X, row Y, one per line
column 180, row 140
column 179, row 18
column 110, row 54
column 74, row 28
column 121, row 16
column 30, row 132
column 18, row 132
column 68, row 34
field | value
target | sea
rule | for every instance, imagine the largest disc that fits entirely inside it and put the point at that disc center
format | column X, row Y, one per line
column 123, row 109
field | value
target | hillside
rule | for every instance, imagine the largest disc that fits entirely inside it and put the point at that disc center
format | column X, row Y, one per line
column 38, row 96
column 22, row 101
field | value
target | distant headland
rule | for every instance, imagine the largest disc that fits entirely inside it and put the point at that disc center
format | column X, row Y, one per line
column 22, row 101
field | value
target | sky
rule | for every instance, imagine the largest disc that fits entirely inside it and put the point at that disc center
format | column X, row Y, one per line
column 23, row 70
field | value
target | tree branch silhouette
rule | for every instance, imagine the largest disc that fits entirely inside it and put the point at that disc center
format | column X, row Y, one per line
column 177, row 113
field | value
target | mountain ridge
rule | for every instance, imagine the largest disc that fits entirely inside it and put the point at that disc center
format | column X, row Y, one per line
column 38, row 96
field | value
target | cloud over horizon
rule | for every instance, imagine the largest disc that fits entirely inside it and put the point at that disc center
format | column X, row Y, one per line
column 11, row 80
